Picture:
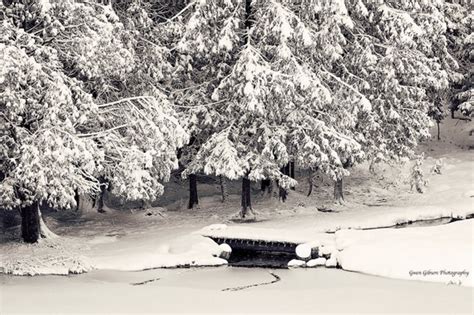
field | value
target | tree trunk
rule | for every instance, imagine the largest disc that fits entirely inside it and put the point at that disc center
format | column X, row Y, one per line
column 246, row 203
column 292, row 172
column 77, row 198
column 193, row 193
column 338, row 185
column 452, row 113
column 310, row 190
column 224, row 191
column 439, row 138
column 373, row 162
column 265, row 185
column 311, row 176
column 338, row 191
column 145, row 204
column 45, row 232
column 248, row 16
column 100, row 198
column 283, row 193
column 30, row 223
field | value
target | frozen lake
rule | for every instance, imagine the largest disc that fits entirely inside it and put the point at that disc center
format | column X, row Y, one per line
column 228, row 289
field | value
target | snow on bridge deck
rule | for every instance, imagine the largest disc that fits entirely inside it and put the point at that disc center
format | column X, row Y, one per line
column 262, row 239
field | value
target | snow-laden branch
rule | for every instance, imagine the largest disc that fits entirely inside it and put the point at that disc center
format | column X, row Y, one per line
column 181, row 12
column 202, row 105
column 343, row 83
column 101, row 133
column 122, row 101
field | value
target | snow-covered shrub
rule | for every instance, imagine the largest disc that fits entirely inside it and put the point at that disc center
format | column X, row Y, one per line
column 52, row 256
column 436, row 169
column 417, row 177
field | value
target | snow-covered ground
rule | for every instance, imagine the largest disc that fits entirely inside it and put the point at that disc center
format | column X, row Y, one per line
column 228, row 290
column 170, row 236
column 437, row 253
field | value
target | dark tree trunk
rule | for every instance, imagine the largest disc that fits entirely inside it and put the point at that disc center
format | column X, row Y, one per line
column 145, row 204
column 224, row 191
column 338, row 191
column 193, row 193
column 265, row 184
column 248, row 17
column 245, row 200
column 292, row 169
column 283, row 193
column 30, row 223
column 100, row 197
column 310, row 190
column 338, row 185
column 292, row 172
column 310, row 181
column 452, row 113
column 77, row 199
column 439, row 138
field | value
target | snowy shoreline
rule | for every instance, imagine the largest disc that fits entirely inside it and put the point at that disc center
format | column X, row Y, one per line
column 402, row 253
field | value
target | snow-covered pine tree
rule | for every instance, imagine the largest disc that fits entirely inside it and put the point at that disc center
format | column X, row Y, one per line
column 460, row 40
column 205, row 48
column 56, row 140
column 271, row 104
column 268, row 93
column 407, row 44
column 437, row 109
column 329, row 126
column 390, row 55
column 44, row 158
column 417, row 176
column 377, row 61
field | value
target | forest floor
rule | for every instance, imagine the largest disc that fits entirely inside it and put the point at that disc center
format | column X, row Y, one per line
column 169, row 235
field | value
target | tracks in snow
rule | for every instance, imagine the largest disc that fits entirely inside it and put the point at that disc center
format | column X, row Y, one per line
column 275, row 280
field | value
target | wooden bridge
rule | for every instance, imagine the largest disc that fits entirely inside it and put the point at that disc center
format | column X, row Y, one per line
column 256, row 245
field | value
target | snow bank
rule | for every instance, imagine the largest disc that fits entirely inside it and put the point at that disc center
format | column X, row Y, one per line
column 139, row 253
column 63, row 256
column 53, row 257
column 439, row 253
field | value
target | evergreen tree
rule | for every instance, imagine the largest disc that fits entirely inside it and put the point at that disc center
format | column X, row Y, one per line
column 60, row 136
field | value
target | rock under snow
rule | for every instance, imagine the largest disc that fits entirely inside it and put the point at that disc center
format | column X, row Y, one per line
column 316, row 262
column 303, row 252
column 296, row 263
column 332, row 261
column 327, row 250
column 224, row 251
